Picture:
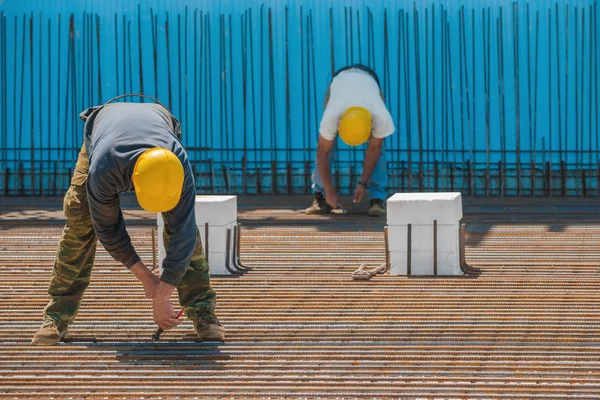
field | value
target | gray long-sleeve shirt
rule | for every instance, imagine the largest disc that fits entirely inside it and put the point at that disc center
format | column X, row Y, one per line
column 116, row 136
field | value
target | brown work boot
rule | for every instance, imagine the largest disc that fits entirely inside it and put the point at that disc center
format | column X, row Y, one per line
column 208, row 327
column 49, row 334
column 376, row 208
column 319, row 206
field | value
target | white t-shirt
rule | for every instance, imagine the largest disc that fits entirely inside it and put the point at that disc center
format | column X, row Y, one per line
column 355, row 87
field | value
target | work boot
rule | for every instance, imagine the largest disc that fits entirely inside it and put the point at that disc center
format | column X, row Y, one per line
column 49, row 334
column 319, row 206
column 208, row 327
column 376, row 208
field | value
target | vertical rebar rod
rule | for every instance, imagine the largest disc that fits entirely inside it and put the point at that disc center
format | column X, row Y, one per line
column 244, row 44
column 460, row 72
column 435, row 247
column 360, row 58
column 596, row 89
column 530, row 122
column 590, row 83
column 168, row 42
column 68, row 83
column 40, row 104
column 451, row 90
column 179, row 63
column 252, row 84
column 98, row 59
column 486, row 71
column 24, row 40
column 125, row 54
column 346, row 35
column 288, row 132
column 224, row 136
column 409, row 250
column 550, row 115
column 427, row 131
column 32, row 108
column 535, row 86
column 473, row 163
column 116, row 24
column 418, row 83
column 351, row 36
column 231, row 102
column 434, row 62
column 502, row 90
column 566, row 144
column 559, row 111
column 331, row 48
column 314, row 71
column 578, row 131
column 398, row 107
column 305, row 132
column 154, row 51
column 272, row 103
column 407, row 97
column 262, row 87
column 194, row 141
column 209, row 74
column 517, row 93
column 141, row 69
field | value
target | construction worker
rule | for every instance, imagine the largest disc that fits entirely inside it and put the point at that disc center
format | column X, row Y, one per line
column 127, row 147
column 355, row 110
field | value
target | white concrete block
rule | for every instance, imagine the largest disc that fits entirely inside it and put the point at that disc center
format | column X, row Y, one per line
column 424, row 208
column 217, row 237
column 422, row 263
column 216, row 261
column 422, row 237
column 216, row 210
column 221, row 214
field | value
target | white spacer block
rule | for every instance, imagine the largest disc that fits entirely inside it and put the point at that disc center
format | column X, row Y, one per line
column 216, row 210
column 221, row 214
column 422, row 263
column 217, row 263
column 422, row 238
column 217, row 237
column 424, row 208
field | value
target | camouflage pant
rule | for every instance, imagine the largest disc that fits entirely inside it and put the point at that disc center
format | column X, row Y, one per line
column 75, row 258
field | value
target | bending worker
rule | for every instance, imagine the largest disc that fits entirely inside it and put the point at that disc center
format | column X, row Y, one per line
column 131, row 146
column 354, row 108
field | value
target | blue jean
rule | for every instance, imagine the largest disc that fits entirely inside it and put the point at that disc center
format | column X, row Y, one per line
column 377, row 185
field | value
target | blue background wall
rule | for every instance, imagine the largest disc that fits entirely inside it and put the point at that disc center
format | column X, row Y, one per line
column 484, row 88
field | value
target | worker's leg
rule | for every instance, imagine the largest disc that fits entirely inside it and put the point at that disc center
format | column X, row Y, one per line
column 76, row 250
column 195, row 294
column 377, row 185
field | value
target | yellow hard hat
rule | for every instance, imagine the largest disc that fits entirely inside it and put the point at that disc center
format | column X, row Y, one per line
column 158, row 180
column 355, row 126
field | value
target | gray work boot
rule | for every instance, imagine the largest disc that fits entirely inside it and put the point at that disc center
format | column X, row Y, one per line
column 49, row 334
column 377, row 208
column 319, row 206
column 208, row 327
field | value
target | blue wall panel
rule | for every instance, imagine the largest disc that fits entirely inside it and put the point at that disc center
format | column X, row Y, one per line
column 469, row 83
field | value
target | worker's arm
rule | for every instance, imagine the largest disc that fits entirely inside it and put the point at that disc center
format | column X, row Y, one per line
column 371, row 158
column 324, row 147
column 108, row 221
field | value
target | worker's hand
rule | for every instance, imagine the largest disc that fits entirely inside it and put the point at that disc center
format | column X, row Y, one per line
column 164, row 314
column 150, row 283
column 332, row 199
column 359, row 193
